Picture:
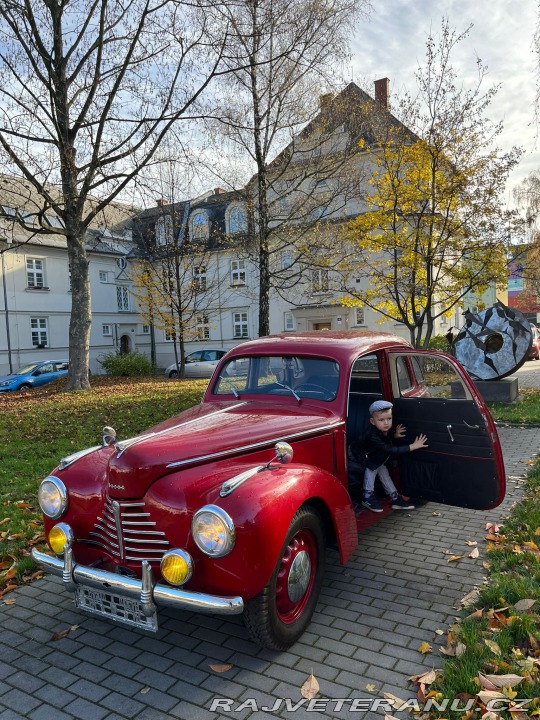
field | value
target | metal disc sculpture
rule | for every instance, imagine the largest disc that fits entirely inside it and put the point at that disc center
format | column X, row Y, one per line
column 493, row 343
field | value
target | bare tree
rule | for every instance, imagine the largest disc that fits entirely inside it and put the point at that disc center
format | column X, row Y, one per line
column 282, row 55
column 88, row 91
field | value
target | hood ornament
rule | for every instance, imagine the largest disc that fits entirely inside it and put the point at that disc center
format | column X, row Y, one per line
column 109, row 436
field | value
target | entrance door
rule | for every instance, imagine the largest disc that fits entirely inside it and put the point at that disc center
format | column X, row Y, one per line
column 125, row 344
column 322, row 326
column 463, row 463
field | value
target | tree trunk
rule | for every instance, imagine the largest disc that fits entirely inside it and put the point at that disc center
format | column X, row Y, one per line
column 81, row 315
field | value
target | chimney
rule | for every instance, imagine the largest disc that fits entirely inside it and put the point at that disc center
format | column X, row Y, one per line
column 325, row 100
column 382, row 93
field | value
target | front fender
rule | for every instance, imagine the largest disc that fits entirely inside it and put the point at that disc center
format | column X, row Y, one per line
column 262, row 509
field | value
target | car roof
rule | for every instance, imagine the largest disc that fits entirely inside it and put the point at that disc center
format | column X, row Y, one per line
column 340, row 345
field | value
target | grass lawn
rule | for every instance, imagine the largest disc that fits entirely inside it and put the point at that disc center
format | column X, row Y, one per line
column 41, row 427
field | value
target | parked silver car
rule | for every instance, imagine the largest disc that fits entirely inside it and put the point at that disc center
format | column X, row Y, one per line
column 199, row 364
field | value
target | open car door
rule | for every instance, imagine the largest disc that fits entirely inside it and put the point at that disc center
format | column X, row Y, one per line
column 463, row 463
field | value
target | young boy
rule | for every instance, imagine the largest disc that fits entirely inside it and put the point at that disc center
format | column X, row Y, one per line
column 378, row 446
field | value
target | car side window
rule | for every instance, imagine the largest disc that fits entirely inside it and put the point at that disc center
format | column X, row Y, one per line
column 433, row 377
column 404, row 379
column 61, row 366
column 210, row 355
column 194, row 357
column 365, row 375
column 47, row 368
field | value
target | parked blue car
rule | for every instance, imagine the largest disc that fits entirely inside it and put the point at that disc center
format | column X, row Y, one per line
column 34, row 375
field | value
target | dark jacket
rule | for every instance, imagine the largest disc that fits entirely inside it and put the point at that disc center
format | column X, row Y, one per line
column 375, row 448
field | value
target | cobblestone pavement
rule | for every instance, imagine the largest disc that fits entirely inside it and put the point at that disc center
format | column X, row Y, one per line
column 394, row 593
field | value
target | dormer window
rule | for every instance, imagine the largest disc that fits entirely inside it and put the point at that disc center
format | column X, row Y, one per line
column 164, row 231
column 199, row 226
column 236, row 219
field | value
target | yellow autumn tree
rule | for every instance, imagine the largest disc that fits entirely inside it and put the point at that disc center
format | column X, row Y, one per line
column 436, row 226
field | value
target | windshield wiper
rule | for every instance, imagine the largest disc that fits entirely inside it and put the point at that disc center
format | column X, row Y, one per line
column 288, row 388
column 229, row 382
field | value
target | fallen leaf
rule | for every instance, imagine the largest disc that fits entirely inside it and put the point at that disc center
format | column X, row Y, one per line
column 371, row 688
column 470, row 542
column 448, row 651
column 22, row 505
column 5, row 520
column 460, row 649
column 494, row 538
column 221, row 668
column 470, row 597
column 425, row 648
column 310, row 688
column 16, row 536
column 474, row 554
column 503, row 681
column 9, row 602
column 495, row 649
column 532, row 547
column 455, row 557
column 492, row 527
column 439, row 632
column 524, row 605
column 145, row 690
column 476, row 615
column 60, row 635
column 396, row 702
column 487, row 695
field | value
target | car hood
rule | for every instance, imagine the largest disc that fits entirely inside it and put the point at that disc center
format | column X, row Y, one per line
column 9, row 378
column 208, row 432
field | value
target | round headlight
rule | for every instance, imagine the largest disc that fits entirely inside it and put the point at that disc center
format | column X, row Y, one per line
column 52, row 497
column 59, row 537
column 213, row 531
column 176, row 567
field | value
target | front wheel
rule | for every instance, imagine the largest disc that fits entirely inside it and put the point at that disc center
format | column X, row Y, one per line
column 25, row 388
column 279, row 614
column 173, row 374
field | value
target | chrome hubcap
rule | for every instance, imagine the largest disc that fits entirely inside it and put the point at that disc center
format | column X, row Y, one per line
column 299, row 575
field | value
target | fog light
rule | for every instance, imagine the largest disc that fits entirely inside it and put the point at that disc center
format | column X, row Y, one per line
column 59, row 537
column 176, row 567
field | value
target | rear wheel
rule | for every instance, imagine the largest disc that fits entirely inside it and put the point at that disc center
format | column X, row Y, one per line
column 280, row 613
column 25, row 387
column 173, row 374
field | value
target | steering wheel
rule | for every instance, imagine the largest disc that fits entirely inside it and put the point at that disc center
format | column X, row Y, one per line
column 312, row 387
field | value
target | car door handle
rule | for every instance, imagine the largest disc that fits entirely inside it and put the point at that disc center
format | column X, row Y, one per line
column 449, row 428
column 471, row 427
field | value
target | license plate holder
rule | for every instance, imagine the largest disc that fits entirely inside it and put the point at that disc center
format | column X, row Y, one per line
column 116, row 607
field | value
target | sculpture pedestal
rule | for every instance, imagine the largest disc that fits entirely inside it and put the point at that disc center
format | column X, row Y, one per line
column 505, row 390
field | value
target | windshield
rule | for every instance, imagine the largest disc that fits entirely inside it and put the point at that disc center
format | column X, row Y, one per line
column 27, row 369
column 299, row 377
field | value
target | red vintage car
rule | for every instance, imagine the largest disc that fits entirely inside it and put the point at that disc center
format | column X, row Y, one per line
column 229, row 506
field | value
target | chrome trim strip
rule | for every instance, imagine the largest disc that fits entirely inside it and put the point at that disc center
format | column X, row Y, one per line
column 230, row 485
column 69, row 459
column 118, row 521
column 123, row 445
column 264, row 443
column 160, row 594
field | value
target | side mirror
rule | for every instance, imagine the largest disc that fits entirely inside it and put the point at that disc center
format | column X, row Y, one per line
column 284, row 452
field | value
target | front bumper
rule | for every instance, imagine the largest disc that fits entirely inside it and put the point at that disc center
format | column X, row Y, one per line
column 143, row 591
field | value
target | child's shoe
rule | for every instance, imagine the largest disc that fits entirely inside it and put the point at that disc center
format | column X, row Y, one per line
column 372, row 504
column 399, row 503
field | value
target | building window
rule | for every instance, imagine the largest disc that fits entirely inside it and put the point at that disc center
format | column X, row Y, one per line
column 359, row 316
column 199, row 226
column 240, row 325
column 164, row 231
column 106, row 330
column 289, row 322
column 146, row 329
column 236, row 219
column 202, row 328
column 122, row 298
column 321, row 185
column 170, row 336
column 199, row 279
column 238, row 272
column 40, row 334
column 35, row 273
column 103, row 276
column 286, row 260
column 319, row 281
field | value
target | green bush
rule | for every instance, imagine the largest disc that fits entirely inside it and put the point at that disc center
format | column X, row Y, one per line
column 439, row 342
column 128, row 364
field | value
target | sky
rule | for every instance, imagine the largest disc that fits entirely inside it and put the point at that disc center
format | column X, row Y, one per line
column 392, row 44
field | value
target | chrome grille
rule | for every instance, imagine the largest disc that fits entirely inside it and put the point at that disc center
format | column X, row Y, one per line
column 126, row 531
